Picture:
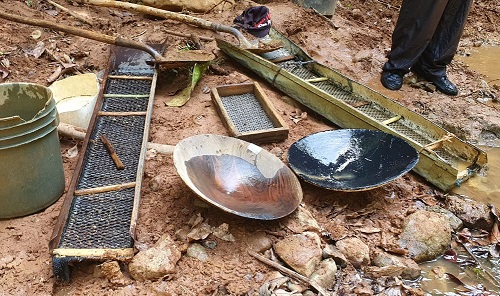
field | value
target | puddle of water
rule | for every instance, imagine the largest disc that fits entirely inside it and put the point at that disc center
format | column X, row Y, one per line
column 484, row 187
column 485, row 60
column 436, row 281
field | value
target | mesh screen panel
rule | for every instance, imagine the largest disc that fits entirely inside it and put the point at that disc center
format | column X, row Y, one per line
column 246, row 113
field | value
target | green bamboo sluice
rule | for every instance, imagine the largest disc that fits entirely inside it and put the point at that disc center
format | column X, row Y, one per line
column 31, row 169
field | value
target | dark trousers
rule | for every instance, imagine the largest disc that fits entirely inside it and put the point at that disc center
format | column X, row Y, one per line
column 426, row 35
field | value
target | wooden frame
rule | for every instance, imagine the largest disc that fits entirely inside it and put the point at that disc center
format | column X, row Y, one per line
column 276, row 134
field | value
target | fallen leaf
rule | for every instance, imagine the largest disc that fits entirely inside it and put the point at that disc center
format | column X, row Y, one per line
column 495, row 231
column 38, row 50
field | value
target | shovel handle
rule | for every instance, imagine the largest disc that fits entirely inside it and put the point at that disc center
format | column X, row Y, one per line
column 83, row 33
column 172, row 15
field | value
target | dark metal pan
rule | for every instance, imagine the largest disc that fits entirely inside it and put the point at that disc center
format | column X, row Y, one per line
column 351, row 159
column 237, row 176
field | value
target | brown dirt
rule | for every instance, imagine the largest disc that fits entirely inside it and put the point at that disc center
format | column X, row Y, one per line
column 25, row 267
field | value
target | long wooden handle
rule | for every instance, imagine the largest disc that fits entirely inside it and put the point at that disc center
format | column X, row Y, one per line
column 83, row 33
column 172, row 15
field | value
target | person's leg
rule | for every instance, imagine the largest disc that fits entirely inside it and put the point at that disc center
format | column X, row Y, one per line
column 414, row 29
column 444, row 43
column 417, row 22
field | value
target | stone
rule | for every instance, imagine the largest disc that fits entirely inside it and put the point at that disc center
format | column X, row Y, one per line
column 324, row 275
column 330, row 251
column 302, row 220
column 455, row 222
column 302, row 252
column 426, row 235
column 197, row 251
column 474, row 214
column 155, row 262
column 259, row 242
column 410, row 269
column 112, row 271
column 355, row 250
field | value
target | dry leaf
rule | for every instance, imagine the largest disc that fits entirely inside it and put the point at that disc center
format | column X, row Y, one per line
column 38, row 50
column 5, row 62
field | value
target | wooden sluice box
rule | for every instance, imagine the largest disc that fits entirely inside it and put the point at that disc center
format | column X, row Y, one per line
column 248, row 114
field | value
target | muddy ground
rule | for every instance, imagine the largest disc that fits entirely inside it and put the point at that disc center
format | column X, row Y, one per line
column 354, row 42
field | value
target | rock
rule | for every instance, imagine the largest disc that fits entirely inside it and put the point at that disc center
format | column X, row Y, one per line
column 259, row 242
column 330, row 251
column 199, row 232
column 355, row 250
column 302, row 220
column 410, row 269
column 155, row 262
column 426, row 235
column 222, row 232
column 154, row 183
column 302, row 252
column 474, row 214
column 325, row 273
column 197, row 251
column 455, row 222
column 111, row 270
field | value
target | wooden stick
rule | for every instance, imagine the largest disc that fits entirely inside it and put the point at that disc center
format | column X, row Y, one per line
column 493, row 280
column 104, row 189
column 83, row 33
column 107, row 253
column 437, row 144
column 137, row 113
column 78, row 133
column 112, row 153
column 73, row 14
column 289, row 272
column 173, row 16
column 318, row 79
column 175, row 33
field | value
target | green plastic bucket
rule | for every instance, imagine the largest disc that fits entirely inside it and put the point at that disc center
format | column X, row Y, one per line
column 31, row 169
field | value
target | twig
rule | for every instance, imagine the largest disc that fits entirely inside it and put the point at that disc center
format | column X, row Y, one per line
column 493, row 280
column 187, row 35
column 73, row 14
column 112, row 153
column 289, row 272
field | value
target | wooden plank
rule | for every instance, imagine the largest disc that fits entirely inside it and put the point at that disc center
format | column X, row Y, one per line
column 130, row 77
